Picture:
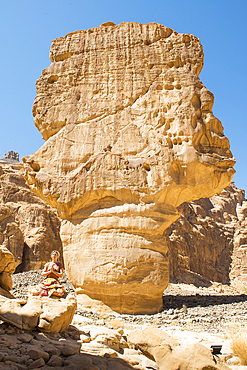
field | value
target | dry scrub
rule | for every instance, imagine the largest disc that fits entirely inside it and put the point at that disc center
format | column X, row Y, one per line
column 239, row 345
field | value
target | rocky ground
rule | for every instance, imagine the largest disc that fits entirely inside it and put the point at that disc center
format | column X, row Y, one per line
column 214, row 309
column 101, row 340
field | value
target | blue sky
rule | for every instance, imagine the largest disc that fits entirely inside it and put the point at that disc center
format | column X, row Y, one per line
column 27, row 28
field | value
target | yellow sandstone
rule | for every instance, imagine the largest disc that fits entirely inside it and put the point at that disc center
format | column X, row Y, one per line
column 130, row 135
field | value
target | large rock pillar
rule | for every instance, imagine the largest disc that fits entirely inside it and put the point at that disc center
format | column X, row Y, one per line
column 130, row 135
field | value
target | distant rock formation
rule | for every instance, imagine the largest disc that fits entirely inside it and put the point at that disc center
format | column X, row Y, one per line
column 29, row 228
column 11, row 155
column 209, row 240
column 130, row 135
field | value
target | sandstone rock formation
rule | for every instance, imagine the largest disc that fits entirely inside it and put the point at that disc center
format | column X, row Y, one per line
column 7, row 267
column 208, row 241
column 130, row 135
column 168, row 354
column 11, row 236
column 45, row 314
column 29, row 228
column 238, row 273
column 93, row 347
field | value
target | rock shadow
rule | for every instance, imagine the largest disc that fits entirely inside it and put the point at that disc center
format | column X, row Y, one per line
column 203, row 300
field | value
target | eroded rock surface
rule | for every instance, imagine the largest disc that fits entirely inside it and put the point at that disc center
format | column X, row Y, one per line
column 29, row 228
column 92, row 347
column 7, row 268
column 130, row 135
column 208, row 242
column 45, row 314
column 169, row 354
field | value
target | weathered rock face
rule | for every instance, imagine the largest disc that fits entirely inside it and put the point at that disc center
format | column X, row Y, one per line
column 170, row 355
column 7, row 267
column 130, row 136
column 45, row 314
column 29, row 228
column 208, row 241
column 238, row 274
column 11, row 236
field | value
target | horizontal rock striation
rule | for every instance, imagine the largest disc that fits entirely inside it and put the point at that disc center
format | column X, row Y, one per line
column 130, row 135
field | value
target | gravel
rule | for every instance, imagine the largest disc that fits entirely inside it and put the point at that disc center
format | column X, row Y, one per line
column 214, row 309
column 23, row 280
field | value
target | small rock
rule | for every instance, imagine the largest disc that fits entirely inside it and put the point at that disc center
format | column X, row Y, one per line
column 36, row 353
column 170, row 311
column 25, row 337
column 84, row 338
column 185, row 309
column 11, row 358
column 37, row 363
column 20, row 366
column 10, row 330
column 23, row 359
column 55, row 361
column 52, row 350
column 234, row 360
column 70, row 349
column 42, row 337
column 8, row 362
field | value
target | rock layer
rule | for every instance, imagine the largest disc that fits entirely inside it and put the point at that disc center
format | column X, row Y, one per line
column 130, row 135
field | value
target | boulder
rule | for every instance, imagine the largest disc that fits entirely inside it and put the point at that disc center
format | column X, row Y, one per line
column 57, row 314
column 23, row 317
column 152, row 342
column 170, row 355
column 191, row 357
column 130, row 135
column 45, row 314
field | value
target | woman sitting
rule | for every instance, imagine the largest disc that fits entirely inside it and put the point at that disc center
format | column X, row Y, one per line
column 50, row 286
